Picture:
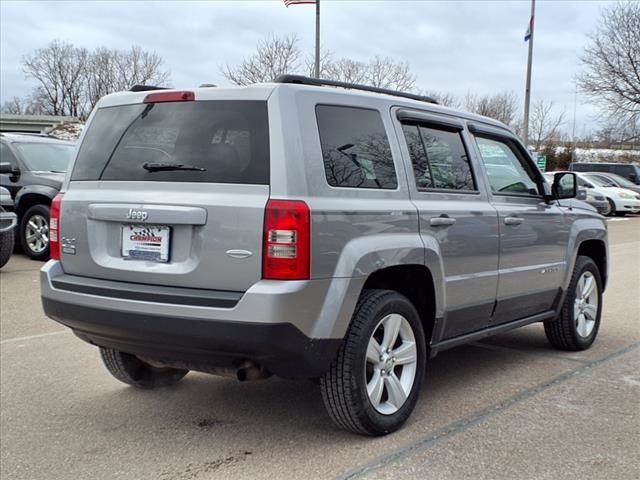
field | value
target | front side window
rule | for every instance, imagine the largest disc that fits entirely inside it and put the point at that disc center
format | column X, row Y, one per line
column 355, row 148
column 439, row 159
column 508, row 173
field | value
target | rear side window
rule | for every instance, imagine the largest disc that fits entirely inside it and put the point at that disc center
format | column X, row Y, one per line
column 623, row 170
column 439, row 159
column 204, row 141
column 355, row 148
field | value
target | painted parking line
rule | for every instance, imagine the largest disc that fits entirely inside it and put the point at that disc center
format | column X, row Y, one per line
column 425, row 442
column 32, row 337
column 617, row 219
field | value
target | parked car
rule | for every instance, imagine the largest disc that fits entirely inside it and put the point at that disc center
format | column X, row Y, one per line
column 588, row 195
column 8, row 222
column 630, row 171
column 341, row 234
column 32, row 168
column 613, row 180
column 621, row 200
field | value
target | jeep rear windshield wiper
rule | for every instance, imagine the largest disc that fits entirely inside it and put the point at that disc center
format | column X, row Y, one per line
column 166, row 167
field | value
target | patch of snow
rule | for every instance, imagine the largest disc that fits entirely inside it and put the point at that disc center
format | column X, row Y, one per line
column 69, row 131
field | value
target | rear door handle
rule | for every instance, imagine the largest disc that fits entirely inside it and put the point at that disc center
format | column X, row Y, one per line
column 513, row 220
column 442, row 220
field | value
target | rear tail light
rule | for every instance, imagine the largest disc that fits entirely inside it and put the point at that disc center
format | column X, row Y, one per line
column 54, row 227
column 160, row 97
column 287, row 241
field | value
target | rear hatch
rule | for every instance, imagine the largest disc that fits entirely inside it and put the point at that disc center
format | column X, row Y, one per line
column 170, row 193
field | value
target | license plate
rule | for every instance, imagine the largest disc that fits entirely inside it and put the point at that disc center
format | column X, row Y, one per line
column 146, row 242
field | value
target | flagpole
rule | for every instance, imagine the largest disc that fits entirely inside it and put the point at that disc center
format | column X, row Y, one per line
column 527, row 92
column 317, row 68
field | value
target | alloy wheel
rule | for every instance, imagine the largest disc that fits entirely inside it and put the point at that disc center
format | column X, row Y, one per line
column 391, row 364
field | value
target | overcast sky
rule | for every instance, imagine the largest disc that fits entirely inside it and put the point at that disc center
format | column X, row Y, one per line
column 452, row 47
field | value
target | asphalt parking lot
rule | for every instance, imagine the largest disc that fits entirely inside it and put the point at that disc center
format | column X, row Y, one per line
column 508, row 407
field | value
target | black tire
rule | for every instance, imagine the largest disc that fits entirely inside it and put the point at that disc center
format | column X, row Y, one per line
column 6, row 245
column 344, row 386
column 36, row 210
column 131, row 370
column 612, row 208
column 562, row 332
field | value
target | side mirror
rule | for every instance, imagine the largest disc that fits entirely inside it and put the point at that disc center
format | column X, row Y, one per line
column 565, row 185
column 8, row 169
column 581, row 195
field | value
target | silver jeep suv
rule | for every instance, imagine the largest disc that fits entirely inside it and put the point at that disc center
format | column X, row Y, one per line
column 312, row 230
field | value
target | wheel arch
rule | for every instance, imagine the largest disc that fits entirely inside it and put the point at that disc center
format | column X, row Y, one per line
column 597, row 251
column 414, row 282
column 27, row 197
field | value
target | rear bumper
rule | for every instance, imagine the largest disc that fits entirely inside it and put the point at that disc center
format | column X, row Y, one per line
column 8, row 221
column 272, row 324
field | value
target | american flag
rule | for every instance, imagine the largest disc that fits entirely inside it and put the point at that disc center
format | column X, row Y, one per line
column 297, row 2
column 527, row 36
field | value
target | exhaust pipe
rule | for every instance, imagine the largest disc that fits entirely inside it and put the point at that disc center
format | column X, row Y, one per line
column 249, row 370
column 246, row 371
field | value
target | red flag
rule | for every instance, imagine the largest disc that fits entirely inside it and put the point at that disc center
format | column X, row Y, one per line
column 297, row 2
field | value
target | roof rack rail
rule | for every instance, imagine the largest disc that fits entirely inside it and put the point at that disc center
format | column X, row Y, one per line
column 144, row 88
column 319, row 82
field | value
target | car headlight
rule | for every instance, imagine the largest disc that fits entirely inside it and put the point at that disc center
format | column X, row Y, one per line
column 625, row 195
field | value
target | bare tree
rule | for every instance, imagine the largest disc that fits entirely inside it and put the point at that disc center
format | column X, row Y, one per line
column 274, row 56
column 611, row 61
column 59, row 69
column 71, row 80
column 113, row 70
column 381, row 72
column 346, row 70
column 620, row 131
column 544, row 125
column 19, row 106
column 501, row 106
column 386, row 73
column 443, row 98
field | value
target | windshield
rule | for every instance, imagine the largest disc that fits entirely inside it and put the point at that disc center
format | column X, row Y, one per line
column 46, row 157
column 620, row 181
column 600, row 182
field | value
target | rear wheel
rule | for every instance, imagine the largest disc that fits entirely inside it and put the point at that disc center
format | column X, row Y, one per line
column 577, row 325
column 131, row 370
column 34, row 232
column 6, row 245
column 373, row 385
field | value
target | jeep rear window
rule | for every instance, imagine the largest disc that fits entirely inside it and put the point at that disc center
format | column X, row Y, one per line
column 355, row 148
column 224, row 142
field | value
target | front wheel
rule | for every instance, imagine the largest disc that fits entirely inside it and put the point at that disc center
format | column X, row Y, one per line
column 577, row 325
column 612, row 208
column 34, row 232
column 373, row 385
